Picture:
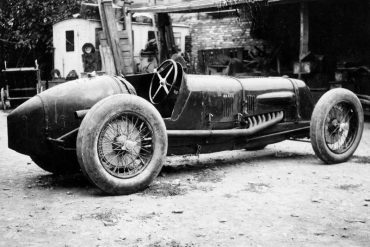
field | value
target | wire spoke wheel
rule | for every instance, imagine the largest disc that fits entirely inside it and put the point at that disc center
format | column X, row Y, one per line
column 125, row 145
column 340, row 129
column 122, row 144
column 336, row 128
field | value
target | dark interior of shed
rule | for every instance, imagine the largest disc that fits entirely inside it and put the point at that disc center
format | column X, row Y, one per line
column 338, row 37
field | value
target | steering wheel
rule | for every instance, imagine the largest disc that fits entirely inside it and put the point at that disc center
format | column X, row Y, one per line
column 162, row 82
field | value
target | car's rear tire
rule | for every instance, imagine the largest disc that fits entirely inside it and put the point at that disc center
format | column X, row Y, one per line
column 122, row 144
column 336, row 126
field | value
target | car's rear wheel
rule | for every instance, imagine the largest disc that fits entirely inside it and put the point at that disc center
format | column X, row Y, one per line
column 122, row 144
column 336, row 126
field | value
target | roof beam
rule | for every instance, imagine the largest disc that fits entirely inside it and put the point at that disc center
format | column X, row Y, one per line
column 193, row 6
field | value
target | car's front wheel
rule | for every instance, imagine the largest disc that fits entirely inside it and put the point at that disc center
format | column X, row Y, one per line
column 122, row 144
column 336, row 126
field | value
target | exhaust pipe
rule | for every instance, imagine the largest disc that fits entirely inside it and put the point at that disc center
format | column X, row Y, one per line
column 80, row 114
column 256, row 124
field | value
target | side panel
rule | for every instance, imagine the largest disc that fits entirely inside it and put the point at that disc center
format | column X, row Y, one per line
column 263, row 95
column 207, row 102
column 50, row 115
column 62, row 101
column 306, row 102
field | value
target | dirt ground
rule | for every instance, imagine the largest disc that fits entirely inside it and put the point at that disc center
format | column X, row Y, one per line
column 280, row 196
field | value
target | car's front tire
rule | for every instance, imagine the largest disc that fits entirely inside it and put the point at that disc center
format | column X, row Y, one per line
column 122, row 144
column 336, row 126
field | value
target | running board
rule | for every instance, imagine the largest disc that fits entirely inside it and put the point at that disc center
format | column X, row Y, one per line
column 256, row 124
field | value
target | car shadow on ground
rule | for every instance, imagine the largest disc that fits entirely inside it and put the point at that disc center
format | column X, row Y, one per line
column 207, row 168
column 59, row 182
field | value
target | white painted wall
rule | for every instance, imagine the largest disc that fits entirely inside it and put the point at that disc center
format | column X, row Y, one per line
column 85, row 33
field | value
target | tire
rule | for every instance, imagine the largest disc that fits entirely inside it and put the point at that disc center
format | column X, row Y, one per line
column 336, row 128
column 122, row 144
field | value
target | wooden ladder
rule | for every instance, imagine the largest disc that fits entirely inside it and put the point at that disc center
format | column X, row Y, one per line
column 117, row 46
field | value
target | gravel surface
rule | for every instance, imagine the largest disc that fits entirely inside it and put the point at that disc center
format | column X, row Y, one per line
column 280, row 196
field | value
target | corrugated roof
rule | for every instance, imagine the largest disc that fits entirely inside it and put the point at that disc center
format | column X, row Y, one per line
column 193, row 6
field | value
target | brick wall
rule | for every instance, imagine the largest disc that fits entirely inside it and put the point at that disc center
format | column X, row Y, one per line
column 210, row 33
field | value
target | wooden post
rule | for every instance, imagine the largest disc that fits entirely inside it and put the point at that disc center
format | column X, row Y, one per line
column 109, row 25
column 304, row 37
column 128, row 28
column 166, row 37
column 157, row 37
column 163, row 55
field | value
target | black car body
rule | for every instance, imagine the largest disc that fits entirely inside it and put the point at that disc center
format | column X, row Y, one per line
column 170, row 112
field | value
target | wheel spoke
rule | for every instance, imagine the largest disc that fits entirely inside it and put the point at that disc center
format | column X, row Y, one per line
column 349, row 118
column 159, row 88
column 142, row 131
column 130, row 131
column 344, row 117
column 107, row 140
column 141, row 160
column 127, row 165
column 340, row 130
column 159, row 75
column 112, row 158
column 132, row 161
column 135, row 124
column 117, row 129
column 169, row 72
column 145, row 150
column 128, row 156
column 166, row 89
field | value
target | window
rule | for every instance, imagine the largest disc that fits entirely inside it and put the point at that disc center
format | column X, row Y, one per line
column 70, row 40
column 97, row 38
column 177, row 37
column 151, row 35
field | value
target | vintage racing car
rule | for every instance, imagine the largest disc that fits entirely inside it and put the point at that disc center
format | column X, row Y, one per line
column 118, row 130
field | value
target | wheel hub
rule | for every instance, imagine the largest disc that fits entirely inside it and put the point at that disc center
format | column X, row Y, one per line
column 343, row 127
column 339, row 135
column 335, row 122
column 125, row 144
